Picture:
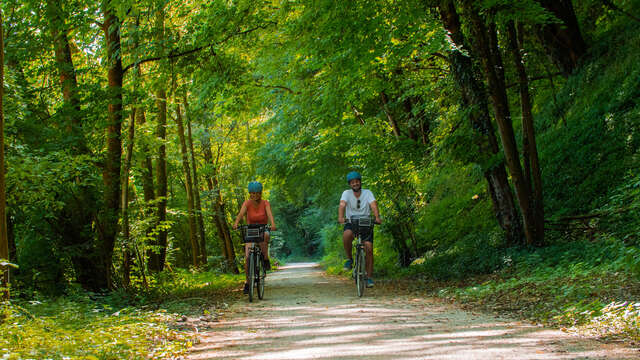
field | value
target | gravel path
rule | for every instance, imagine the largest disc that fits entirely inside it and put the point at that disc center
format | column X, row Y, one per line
column 308, row 315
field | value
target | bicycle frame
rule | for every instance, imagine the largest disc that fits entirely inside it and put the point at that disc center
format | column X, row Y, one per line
column 253, row 234
column 359, row 271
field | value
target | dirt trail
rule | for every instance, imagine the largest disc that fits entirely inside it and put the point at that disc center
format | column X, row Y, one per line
column 308, row 315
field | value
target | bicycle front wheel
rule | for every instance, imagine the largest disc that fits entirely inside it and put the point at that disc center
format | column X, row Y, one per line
column 260, row 275
column 252, row 274
column 360, row 272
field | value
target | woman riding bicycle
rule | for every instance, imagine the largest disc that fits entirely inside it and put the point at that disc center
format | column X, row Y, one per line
column 257, row 211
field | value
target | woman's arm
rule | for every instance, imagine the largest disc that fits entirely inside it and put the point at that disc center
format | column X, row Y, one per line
column 243, row 211
column 270, row 216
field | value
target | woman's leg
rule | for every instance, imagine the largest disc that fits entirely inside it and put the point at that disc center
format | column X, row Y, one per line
column 246, row 261
column 264, row 246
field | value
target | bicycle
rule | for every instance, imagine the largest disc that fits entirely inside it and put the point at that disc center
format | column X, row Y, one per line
column 360, row 226
column 254, row 233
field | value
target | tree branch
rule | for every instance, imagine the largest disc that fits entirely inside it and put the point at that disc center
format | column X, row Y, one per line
column 175, row 54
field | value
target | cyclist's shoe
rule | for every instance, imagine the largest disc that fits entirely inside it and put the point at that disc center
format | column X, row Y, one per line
column 267, row 264
column 246, row 288
column 369, row 283
column 348, row 264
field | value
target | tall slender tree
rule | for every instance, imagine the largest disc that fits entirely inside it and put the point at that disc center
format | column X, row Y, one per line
column 196, row 187
column 67, row 75
column 108, row 229
column 158, row 254
column 193, row 233
column 79, row 212
column 219, row 212
column 126, row 234
column 474, row 97
column 532, row 173
column 485, row 46
column 4, row 240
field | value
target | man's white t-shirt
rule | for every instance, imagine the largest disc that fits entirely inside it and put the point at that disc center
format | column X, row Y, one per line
column 366, row 198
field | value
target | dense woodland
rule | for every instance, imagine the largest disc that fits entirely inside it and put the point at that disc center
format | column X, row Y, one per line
column 498, row 136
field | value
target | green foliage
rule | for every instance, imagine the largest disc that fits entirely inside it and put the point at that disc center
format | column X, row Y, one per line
column 565, row 284
column 117, row 326
column 83, row 329
column 591, row 150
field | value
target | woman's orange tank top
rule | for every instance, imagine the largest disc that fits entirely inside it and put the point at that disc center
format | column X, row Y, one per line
column 256, row 214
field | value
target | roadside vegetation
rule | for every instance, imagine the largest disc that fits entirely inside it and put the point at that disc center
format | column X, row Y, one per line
column 159, row 322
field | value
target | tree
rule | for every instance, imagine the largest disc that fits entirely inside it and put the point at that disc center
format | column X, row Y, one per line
column 111, row 171
column 196, row 188
column 485, row 45
column 4, row 241
column 218, row 205
column 562, row 40
column 158, row 254
column 193, row 232
column 532, row 173
column 474, row 97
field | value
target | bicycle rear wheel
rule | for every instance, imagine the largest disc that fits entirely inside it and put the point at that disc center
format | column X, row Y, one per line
column 360, row 272
column 260, row 275
column 252, row 272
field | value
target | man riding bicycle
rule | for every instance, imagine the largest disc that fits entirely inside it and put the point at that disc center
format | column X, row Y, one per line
column 358, row 203
column 257, row 211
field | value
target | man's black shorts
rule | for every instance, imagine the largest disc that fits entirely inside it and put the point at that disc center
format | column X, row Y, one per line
column 366, row 233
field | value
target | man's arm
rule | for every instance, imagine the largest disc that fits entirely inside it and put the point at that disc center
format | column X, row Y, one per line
column 374, row 209
column 343, row 205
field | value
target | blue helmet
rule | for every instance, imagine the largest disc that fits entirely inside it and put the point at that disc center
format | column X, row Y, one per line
column 353, row 175
column 254, row 187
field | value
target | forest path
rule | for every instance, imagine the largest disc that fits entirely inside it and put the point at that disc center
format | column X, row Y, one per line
column 309, row 315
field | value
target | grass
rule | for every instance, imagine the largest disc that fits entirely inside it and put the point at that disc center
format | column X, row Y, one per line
column 134, row 325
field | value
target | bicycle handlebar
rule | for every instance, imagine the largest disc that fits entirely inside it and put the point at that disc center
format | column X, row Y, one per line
column 253, row 233
column 357, row 220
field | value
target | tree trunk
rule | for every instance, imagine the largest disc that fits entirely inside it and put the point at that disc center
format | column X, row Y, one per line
column 474, row 96
column 111, row 171
column 193, row 235
column 4, row 239
column 392, row 121
column 157, row 256
column 126, row 237
column 74, row 221
column 146, row 164
column 196, row 188
column 530, row 148
column 219, row 218
column 67, row 76
column 563, row 41
column 486, row 47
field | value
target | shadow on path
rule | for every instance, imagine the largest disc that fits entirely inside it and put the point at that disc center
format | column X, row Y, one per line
column 307, row 315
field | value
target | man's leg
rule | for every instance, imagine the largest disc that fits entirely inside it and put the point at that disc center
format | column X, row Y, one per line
column 347, row 240
column 368, row 249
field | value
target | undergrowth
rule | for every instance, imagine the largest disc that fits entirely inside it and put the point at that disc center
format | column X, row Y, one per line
column 135, row 324
column 584, row 286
